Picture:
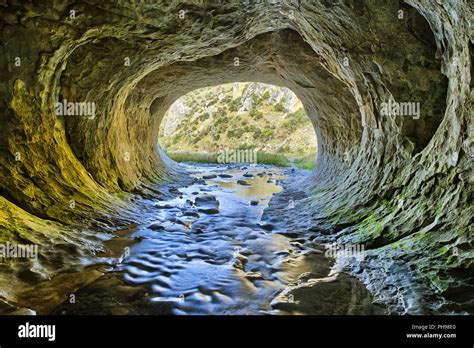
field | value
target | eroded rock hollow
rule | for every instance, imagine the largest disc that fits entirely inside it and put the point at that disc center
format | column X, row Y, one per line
column 399, row 184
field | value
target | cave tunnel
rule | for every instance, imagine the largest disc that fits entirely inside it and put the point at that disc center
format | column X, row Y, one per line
column 387, row 88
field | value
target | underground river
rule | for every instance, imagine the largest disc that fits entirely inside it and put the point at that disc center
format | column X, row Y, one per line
column 209, row 251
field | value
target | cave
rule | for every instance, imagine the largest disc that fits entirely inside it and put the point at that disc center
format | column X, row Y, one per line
column 399, row 184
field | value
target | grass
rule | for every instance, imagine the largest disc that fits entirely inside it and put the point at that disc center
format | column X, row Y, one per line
column 262, row 158
column 306, row 162
column 193, row 157
column 273, row 159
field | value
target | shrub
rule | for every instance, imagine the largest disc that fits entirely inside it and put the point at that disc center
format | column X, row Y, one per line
column 234, row 104
column 268, row 133
column 235, row 133
column 256, row 115
column 279, row 107
column 255, row 100
column 246, row 147
column 299, row 117
column 306, row 162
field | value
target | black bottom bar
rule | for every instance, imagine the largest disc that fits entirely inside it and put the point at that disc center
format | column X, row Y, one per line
column 137, row 331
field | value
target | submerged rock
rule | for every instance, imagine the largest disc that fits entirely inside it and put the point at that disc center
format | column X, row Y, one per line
column 191, row 213
column 207, row 199
column 267, row 227
column 209, row 210
column 156, row 227
column 164, row 206
column 207, row 204
column 254, row 275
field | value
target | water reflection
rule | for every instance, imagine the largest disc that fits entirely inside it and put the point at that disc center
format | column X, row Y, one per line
column 206, row 252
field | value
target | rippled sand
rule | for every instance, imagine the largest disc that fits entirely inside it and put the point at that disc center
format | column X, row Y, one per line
column 209, row 252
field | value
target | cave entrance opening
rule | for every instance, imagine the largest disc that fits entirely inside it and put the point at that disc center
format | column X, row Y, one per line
column 240, row 122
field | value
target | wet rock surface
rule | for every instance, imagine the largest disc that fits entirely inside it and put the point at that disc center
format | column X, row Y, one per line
column 401, row 186
column 222, row 264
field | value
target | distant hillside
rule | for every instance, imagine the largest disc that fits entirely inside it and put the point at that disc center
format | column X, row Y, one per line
column 238, row 115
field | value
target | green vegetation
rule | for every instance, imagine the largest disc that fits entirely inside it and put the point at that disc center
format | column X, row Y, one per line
column 209, row 119
column 295, row 120
column 279, row 107
column 262, row 157
column 246, row 147
column 267, row 133
column 255, row 100
column 193, row 157
column 234, row 104
column 274, row 159
column 306, row 162
column 255, row 114
column 371, row 227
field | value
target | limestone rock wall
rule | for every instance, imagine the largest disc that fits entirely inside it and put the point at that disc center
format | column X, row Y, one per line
column 402, row 186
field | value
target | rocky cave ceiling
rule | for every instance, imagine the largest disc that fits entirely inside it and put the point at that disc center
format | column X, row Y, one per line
column 341, row 58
